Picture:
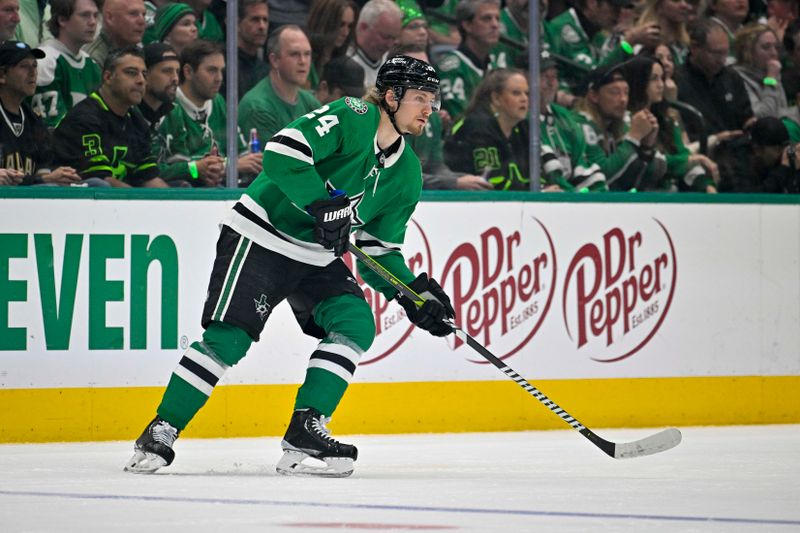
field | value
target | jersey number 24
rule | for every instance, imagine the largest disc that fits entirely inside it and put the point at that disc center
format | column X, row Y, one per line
column 326, row 122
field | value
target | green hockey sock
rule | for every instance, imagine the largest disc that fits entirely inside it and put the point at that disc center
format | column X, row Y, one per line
column 199, row 370
column 321, row 390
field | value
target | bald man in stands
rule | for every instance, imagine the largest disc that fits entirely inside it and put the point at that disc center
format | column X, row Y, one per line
column 123, row 25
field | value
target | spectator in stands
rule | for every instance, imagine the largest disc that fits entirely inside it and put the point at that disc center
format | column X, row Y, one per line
column 341, row 76
column 761, row 161
column 377, row 31
column 24, row 138
column 781, row 13
column 103, row 136
column 67, row 74
column 715, row 89
column 730, row 14
column 461, row 70
column 625, row 154
column 252, row 29
column 664, row 55
column 175, row 24
column 280, row 98
column 759, row 66
column 196, row 128
column 428, row 145
column 123, row 26
column 514, row 26
column 685, row 171
column 330, row 30
column 9, row 19
column 491, row 139
column 579, row 34
column 564, row 162
column 672, row 18
column 161, row 87
column 208, row 27
column 415, row 27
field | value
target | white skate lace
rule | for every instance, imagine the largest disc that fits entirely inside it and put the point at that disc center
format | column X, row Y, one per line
column 164, row 433
column 319, row 425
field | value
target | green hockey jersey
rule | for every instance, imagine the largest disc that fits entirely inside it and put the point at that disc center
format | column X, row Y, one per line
column 262, row 109
column 189, row 132
column 333, row 148
column 564, row 160
column 63, row 80
column 460, row 74
column 623, row 162
column 568, row 38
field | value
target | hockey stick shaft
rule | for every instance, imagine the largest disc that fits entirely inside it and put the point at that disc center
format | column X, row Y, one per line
column 660, row 442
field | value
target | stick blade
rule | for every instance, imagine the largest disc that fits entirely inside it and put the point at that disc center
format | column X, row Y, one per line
column 660, row 442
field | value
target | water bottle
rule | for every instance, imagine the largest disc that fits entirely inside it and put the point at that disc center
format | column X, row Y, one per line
column 255, row 144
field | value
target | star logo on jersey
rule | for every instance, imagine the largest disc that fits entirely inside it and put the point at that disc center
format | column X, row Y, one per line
column 356, row 105
column 262, row 307
column 355, row 201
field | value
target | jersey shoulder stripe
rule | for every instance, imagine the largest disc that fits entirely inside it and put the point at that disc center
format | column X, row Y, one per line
column 291, row 143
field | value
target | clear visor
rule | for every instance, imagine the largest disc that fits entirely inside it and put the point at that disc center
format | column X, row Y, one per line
column 421, row 98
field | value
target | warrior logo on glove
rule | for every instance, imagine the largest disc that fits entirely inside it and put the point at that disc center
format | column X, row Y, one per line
column 333, row 218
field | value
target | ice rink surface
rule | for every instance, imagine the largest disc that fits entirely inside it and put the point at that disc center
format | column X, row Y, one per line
column 726, row 479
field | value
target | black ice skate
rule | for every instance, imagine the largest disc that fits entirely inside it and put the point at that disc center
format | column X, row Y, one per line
column 153, row 449
column 307, row 437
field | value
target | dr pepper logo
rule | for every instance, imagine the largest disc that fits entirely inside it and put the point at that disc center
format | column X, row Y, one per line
column 618, row 290
column 501, row 284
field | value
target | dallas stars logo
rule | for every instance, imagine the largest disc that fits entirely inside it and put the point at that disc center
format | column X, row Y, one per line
column 262, row 307
column 356, row 105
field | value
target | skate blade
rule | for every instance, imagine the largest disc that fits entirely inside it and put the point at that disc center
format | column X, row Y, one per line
column 144, row 463
column 291, row 464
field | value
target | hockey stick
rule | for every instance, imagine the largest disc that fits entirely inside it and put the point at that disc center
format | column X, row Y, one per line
column 658, row 442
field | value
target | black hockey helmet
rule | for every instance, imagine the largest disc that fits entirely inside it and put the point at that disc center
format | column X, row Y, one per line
column 403, row 72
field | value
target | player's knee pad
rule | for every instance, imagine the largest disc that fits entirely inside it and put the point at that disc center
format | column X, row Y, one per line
column 228, row 343
column 349, row 316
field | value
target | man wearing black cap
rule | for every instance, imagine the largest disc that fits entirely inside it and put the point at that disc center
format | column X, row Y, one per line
column 104, row 136
column 625, row 154
column 24, row 138
column 761, row 161
column 161, row 86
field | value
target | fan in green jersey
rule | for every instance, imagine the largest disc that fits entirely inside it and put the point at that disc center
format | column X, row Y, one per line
column 67, row 74
column 343, row 166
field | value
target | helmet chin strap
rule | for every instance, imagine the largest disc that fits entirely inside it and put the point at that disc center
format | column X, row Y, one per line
column 391, row 113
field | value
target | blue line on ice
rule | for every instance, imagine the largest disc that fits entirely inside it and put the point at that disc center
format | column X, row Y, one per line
column 517, row 512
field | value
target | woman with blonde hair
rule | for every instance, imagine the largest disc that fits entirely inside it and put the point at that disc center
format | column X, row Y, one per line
column 672, row 17
column 758, row 64
column 329, row 27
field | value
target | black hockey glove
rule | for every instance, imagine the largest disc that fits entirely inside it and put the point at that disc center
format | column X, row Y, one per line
column 434, row 311
column 333, row 218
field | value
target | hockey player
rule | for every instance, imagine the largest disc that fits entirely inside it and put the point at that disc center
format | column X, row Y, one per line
column 345, row 165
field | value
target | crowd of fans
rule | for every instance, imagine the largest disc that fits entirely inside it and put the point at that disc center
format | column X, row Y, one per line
column 634, row 95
